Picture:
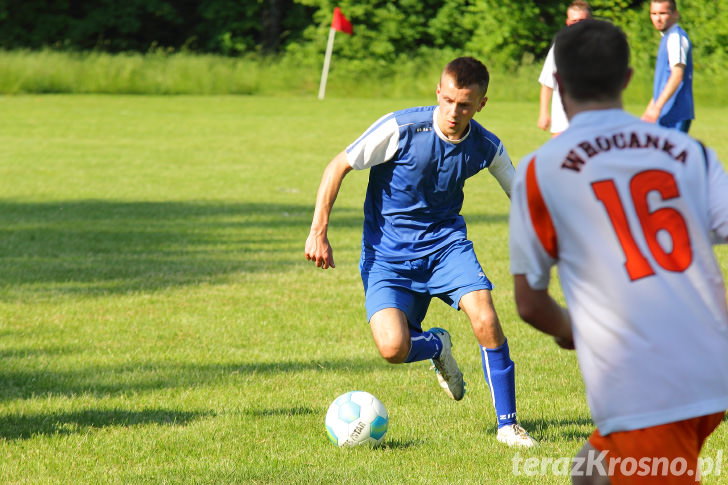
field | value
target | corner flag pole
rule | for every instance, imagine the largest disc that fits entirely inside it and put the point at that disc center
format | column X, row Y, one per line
column 341, row 23
column 327, row 62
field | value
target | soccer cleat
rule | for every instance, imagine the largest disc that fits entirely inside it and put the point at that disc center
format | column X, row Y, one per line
column 447, row 370
column 515, row 435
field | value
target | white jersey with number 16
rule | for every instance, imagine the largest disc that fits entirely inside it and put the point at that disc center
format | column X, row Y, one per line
column 628, row 211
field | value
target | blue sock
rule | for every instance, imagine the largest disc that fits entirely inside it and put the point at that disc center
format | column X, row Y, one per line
column 500, row 374
column 425, row 345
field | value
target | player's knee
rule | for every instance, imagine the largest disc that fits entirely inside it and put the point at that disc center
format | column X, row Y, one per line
column 487, row 329
column 391, row 335
column 485, row 322
column 393, row 352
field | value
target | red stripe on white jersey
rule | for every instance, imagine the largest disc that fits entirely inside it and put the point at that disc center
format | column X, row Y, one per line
column 540, row 217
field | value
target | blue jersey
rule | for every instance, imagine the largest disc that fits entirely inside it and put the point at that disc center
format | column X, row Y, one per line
column 675, row 49
column 416, row 181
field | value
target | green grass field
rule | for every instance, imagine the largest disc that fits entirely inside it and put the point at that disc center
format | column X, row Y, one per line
column 159, row 324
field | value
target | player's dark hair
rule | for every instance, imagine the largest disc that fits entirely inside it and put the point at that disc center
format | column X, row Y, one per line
column 592, row 60
column 467, row 71
column 673, row 4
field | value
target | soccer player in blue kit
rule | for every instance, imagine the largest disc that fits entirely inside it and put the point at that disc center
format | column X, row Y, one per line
column 415, row 242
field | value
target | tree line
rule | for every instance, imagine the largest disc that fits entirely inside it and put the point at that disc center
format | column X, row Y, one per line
column 505, row 32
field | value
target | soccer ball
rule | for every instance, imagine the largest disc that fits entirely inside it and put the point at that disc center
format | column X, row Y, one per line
column 356, row 418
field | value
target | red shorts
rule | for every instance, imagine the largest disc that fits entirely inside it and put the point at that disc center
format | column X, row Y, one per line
column 660, row 455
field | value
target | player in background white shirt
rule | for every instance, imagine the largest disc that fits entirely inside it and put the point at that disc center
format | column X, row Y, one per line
column 627, row 211
column 577, row 11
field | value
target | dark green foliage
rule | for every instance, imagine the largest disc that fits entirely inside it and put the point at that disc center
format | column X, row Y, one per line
column 213, row 26
column 505, row 33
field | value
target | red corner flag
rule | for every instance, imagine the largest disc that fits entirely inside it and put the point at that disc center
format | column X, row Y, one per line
column 341, row 23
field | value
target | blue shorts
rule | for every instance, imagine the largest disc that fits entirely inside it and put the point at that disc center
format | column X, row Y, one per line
column 682, row 125
column 448, row 274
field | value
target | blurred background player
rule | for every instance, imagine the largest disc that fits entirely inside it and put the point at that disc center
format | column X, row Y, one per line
column 672, row 96
column 576, row 12
column 415, row 245
column 627, row 211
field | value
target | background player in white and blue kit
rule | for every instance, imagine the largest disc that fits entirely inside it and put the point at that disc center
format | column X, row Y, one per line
column 672, row 102
column 415, row 242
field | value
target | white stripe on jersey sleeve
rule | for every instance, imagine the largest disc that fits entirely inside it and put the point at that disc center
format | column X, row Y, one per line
column 502, row 169
column 377, row 145
column 677, row 48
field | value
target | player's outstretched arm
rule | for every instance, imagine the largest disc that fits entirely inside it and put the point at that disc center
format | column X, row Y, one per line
column 318, row 249
column 540, row 310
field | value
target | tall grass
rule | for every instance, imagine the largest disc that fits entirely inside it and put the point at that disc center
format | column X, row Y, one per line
column 155, row 73
column 164, row 73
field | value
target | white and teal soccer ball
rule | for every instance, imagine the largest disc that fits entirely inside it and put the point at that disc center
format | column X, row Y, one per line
column 356, row 418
